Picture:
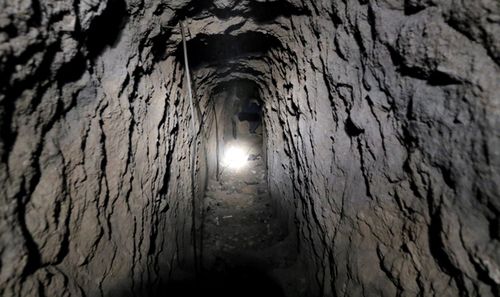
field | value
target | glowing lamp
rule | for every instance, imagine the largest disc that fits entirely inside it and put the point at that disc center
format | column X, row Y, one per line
column 235, row 158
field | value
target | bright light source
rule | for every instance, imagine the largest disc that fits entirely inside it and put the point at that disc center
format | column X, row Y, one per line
column 235, row 158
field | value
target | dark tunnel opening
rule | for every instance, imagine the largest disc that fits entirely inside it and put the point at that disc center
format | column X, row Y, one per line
column 242, row 235
column 245, row 104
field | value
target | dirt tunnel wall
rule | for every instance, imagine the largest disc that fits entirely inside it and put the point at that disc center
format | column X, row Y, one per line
column 382, row 122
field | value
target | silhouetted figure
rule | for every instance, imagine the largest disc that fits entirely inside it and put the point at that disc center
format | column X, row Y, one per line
column 252, row 114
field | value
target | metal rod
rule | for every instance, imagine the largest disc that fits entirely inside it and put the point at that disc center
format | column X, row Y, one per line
column 217, row 147
column 193, row 147
column 188, row 75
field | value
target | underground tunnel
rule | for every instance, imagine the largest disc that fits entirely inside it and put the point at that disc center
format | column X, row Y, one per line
column 250, row 148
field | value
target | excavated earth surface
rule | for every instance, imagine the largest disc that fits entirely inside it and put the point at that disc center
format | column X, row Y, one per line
column 242, row 234
column 381, row 141
column 246, row 250
column 239, row 217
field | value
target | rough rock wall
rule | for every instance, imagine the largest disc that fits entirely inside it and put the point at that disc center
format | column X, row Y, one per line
column 382, row 120
column 384, row 124
column 94, row 173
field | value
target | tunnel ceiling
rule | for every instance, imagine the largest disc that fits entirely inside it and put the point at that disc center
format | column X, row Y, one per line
column 241, row 87
column 214, row 50
column 236, row 39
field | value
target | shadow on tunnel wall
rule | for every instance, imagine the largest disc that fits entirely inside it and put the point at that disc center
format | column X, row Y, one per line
column 107, row 28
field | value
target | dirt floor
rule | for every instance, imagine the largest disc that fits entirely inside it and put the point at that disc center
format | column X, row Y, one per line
column 246, row 250
column 243, row 240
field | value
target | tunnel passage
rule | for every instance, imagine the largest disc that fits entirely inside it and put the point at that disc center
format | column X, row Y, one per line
column 243, row 239
column 240, row 106
column 376, row 157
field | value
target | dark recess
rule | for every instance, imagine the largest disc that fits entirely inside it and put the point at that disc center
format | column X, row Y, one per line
column 238, row 281
column 158, row 45
column 441, row 79
column 413, row 7
column 214, row 49
column 243, row 88
column 494, row 227
column 268, row 11
column 351, row 129
column 242, row 281
column 36, row 17
column 106, row 29
column 72, row 71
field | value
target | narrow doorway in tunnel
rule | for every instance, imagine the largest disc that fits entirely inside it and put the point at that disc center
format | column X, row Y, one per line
column 242, row 236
